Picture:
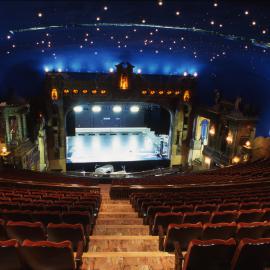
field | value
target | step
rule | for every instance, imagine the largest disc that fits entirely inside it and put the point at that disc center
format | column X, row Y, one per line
column 128, row 261
column 109, row 201
column 121, row 230
column 103, row 214
column 116, row 207
column 119, row 221
column 121, row 243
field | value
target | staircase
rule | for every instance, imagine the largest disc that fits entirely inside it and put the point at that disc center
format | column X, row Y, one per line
column 120, row 241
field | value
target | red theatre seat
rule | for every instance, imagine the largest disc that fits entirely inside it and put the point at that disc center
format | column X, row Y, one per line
column 183, row 234
column 50, row 255
column 209, row 255
column 72, row 232
column 222, row 231
column 252, row 254
column 9, row 255
column 22, row 230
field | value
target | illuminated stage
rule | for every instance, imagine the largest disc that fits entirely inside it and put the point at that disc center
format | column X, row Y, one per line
column 115, row 145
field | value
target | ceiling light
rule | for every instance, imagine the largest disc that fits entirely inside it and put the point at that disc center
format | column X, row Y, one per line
column 117, row 109
column 96, row 109
column 134, row 109
column 77, row 109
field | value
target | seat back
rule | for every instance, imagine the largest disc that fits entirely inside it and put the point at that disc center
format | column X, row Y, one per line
column 17, row 215
column 164, row 219
column 182, row 233
column 45, row 255
column 196, row 217
column 205, row 207
column 222, row 231
column 228, row 207
column 152, row 210
column 3, row 234
column 47, row 217
column 224, row 217
column 9, row 255
column 253, row 215
column 252, row 254
column 77, row 217
column 266, row 215
column 210, row 255
column 183, row 208
column 252, row 230
column 61, row 232
column 22, row 230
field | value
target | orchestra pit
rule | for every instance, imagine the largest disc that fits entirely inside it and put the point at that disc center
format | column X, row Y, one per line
column 134, row 135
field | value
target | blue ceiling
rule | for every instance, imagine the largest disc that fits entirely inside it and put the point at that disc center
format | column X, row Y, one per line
column 225, row 42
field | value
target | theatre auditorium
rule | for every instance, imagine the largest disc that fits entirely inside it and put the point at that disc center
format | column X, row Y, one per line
column 134, row 135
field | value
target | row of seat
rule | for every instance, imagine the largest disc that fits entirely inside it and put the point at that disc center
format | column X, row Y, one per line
column 213, row 197
column 184, row 233
column 39, row 255
column 252, row 215
column 249, row 254
column 46, row 217
column 36, row 231
column 85, row 206
column 241, row 173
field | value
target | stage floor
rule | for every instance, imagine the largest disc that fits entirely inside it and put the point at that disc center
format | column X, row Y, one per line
column 111, row 148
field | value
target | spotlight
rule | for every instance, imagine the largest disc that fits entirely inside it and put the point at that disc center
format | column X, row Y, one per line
column 139, row 71
column 195, row 74
column 134, row 109
column 59, row 69
column 77, row 109
column 111, row 70
column 46, row 69
column 96, row 109
column 117, row 109
column 185, row 73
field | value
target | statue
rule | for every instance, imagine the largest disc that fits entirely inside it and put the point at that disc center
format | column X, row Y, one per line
column 237, row 104
column 217, row 99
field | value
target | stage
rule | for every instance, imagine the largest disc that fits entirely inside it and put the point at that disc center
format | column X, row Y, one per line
column 134, row 148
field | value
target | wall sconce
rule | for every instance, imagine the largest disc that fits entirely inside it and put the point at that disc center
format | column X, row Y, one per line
column 54, row 94
column 144, row 92
column 236, row 160
column 186, row 96
column 123, row 82
column 247, row 144
column 4, row 150
column 229, row 138
column 212, row 130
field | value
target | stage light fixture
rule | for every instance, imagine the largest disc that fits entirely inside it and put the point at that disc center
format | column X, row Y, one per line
column 96, row 109
column 59, row 69
column 134, row 109
column 111, row 70
column 185, row 74
column 46, row 69
column 78, row 109
column 195, row 74
column 139, row 71
column 117, row 109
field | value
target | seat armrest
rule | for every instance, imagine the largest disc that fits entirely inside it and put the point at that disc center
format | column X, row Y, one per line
column 178, row 255
column 88, row 230
column 161, row 237
column 78, row 259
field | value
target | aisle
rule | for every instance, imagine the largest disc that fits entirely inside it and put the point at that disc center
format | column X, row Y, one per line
column 120, row 241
